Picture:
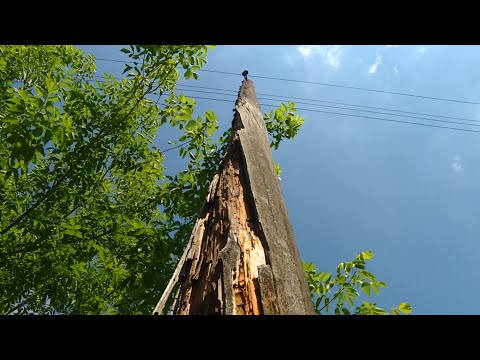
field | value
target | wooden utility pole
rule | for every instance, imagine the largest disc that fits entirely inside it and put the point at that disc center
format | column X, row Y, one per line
column 242, row 258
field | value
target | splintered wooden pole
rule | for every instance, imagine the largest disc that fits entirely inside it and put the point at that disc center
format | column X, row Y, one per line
column 242, row 258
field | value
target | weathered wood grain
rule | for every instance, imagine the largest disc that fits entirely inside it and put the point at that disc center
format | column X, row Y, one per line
column 242, row 258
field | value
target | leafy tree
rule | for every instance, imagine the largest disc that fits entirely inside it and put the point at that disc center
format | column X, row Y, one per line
column 81, row 183
column 340, row 294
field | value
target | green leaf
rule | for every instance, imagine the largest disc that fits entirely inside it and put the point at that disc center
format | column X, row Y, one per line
column 327, row 304
column 366, row 287
column 16, row 108
column 320, row 289
column 191, row 124
column 405, row 308
column 10, row 120
column 326, row 277
column 101, row 254
column 111, row 311
column 24, row 94
column 375, row 288
column 368, row 275
column 137, row 223
column 307, row 266
column 367, row 255
column 15, row 100
column 210, row 116
column 3, row 65
column 38, row 131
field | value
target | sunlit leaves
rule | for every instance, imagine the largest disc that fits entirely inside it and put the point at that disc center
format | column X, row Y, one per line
column 405, row 308
column 72, row 228
column 79, row 154
column 342, row 291
column 283, row 123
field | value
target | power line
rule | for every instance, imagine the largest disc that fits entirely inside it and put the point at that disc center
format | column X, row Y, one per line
column 391, row 120
column 360, row 110
column 352, row 115
column 286, row 97
column 323, row 84
column 114, row 60
column 175, row 147
column 362, row 116
column 343, row 108
column 347, row 87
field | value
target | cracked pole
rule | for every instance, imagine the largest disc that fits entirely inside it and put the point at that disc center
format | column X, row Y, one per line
column 242, row 258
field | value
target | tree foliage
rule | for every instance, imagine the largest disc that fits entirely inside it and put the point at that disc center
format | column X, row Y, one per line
column 81, row 183
column 340, row 294
column 282, row 123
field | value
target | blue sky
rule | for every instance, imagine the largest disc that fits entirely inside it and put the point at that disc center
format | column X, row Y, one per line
column 408, row 193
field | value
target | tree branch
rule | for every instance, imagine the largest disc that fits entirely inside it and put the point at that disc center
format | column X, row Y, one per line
column 21, row 304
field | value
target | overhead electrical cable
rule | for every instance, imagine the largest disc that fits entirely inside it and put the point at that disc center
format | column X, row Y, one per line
column 323, row 84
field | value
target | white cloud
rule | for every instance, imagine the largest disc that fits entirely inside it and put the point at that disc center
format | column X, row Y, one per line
column 373, row 68
column 306, row 50
column 333, row 56
column 330, row 54
column 395, row 70
column 457, row 165
column 392, row 46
